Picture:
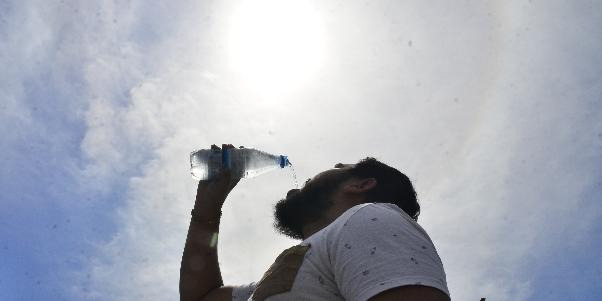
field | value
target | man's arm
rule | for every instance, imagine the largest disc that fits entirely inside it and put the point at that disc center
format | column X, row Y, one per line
column 199, row 270
column 411, row 293
column 200, row 276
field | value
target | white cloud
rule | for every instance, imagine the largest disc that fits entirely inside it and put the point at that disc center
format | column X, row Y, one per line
column 490, row 109
column 458, row 118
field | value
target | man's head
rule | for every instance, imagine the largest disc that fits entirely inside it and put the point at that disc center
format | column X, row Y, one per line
column 342, row 188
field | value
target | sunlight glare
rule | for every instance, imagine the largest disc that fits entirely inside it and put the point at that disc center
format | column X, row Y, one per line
column 275, row 45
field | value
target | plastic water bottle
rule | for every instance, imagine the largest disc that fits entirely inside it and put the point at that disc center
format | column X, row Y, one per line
column 242, row 162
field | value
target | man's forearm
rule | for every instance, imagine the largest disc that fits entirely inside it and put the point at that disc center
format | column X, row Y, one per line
column 199, row 270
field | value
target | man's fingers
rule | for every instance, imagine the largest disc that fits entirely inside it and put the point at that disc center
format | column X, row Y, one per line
column 225, row 146
column 224, row 178
column 224, row 175
column 234, row 182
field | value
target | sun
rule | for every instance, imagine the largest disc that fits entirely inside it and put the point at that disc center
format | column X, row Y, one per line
column 275, row 45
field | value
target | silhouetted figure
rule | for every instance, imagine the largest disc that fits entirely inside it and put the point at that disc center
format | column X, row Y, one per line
column 360, row 241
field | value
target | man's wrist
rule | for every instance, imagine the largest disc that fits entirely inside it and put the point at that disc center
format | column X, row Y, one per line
column 198, row 216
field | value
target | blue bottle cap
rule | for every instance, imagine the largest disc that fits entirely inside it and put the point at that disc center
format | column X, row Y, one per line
column 284, row 161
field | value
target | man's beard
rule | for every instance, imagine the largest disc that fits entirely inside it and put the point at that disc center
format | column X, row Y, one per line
column 301, row 207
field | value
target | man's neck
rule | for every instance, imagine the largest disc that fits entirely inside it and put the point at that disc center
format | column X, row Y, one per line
column 313, row 228
column 331, row 215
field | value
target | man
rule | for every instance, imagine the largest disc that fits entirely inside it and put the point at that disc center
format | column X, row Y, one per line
column 360, row 241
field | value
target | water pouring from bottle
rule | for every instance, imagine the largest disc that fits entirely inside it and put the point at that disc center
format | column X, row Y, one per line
column 294, row 174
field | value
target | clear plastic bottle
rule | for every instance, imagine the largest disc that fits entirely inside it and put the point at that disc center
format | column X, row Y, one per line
column 243, row 162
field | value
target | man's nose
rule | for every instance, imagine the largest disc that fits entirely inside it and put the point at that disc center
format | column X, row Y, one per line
column 291, row 192
column 341, row 165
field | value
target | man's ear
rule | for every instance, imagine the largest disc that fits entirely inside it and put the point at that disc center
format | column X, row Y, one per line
column 360, row 185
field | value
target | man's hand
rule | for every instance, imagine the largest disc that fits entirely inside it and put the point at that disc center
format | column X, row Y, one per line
column 211, row 194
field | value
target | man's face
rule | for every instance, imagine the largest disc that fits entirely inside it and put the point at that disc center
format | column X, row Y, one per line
column 308, row 204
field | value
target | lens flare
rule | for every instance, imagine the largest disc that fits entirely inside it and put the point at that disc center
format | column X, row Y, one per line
column 275, row 45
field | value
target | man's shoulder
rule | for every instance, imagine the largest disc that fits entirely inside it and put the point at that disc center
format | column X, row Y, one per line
column 382, row 210
column 357, row 216
column 366, row 218
column 374, row 219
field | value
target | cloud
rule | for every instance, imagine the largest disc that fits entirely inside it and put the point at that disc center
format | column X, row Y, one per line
column 470, row 142
column 493, row 111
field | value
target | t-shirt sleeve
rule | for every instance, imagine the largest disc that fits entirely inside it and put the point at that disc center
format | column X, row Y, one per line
column 379, row 248
column 243, row 292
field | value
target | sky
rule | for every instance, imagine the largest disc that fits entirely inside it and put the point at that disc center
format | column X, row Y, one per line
column 492, row 108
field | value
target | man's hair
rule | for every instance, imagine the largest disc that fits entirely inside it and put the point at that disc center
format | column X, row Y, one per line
column 392, row 186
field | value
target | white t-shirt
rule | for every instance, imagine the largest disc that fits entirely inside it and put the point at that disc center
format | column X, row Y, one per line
column 369, row 249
